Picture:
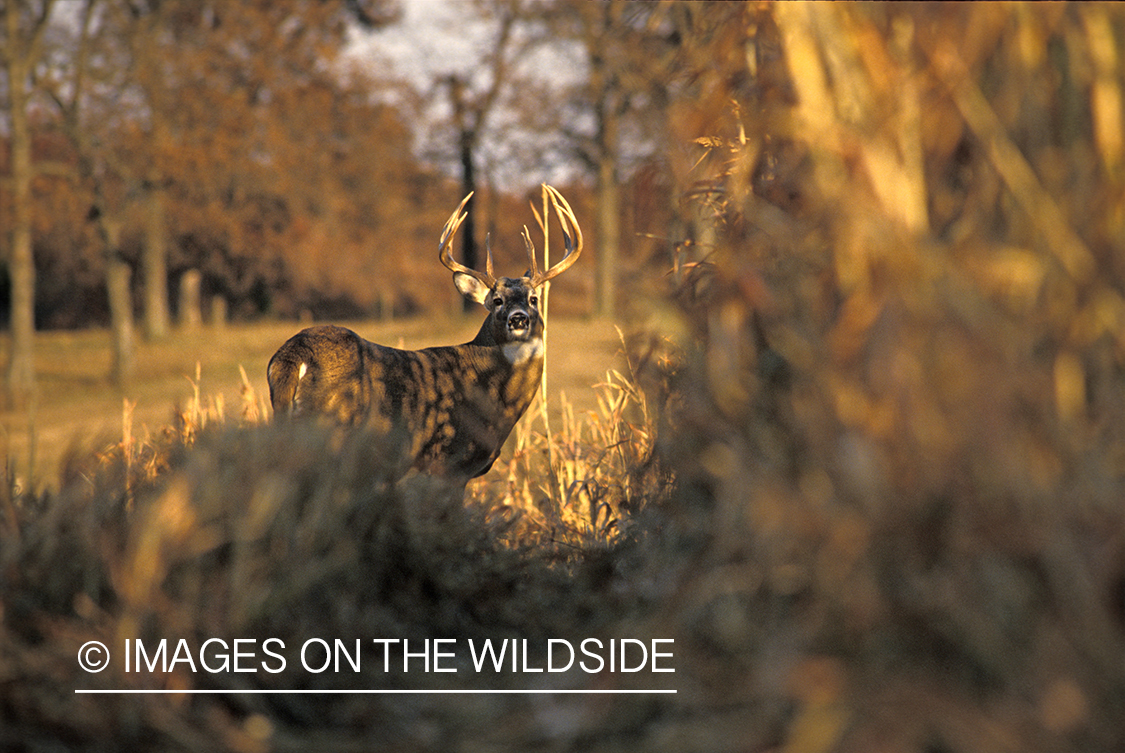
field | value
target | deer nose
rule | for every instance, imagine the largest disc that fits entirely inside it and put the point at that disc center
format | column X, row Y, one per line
column 518, row 320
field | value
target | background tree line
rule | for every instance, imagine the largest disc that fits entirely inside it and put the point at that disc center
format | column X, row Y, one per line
column 144, row 138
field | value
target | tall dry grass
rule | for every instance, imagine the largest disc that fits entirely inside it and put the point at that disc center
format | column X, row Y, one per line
column 223, row 525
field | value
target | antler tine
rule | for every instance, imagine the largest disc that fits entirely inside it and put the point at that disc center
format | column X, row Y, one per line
column 530, row 247
column 543, row 229
column 447, row 234
column 454, row 222
column 488, row 256
column 573, row 242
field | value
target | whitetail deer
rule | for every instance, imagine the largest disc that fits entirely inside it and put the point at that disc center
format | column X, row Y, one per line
column 443, row 411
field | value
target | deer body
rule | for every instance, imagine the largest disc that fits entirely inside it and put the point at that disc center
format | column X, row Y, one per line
column 444, row 411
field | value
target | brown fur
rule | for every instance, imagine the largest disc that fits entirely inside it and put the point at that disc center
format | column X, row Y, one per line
column 446, row 410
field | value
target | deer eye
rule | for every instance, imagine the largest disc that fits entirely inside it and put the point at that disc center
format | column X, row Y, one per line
column 534, row 300
column 497, row 302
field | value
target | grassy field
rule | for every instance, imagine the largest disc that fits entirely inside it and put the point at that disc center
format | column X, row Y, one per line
column 76, row 403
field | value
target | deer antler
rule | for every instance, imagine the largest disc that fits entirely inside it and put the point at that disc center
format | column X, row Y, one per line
column 573, row 242
column 572, row 239
column 486, row 278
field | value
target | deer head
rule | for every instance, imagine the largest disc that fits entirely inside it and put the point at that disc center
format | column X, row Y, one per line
column 512, row 302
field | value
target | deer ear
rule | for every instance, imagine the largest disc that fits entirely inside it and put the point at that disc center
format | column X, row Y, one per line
column 471, row 287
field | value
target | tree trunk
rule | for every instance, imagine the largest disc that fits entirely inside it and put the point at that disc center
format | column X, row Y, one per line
column 218, row 311
column 155, row 262
column 608, row 219
column 117, row 277
column 608, row 215
column 467, row 140
column 190, row 309
column 469, row 231
column 605, row 94
column 20, row 380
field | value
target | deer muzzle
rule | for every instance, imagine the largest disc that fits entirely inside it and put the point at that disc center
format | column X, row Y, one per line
column 519, row 322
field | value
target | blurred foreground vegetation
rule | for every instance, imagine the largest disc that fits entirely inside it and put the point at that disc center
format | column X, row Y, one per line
column 865, row 468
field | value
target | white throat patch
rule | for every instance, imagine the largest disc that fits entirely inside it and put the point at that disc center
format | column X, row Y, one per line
column 518, row 353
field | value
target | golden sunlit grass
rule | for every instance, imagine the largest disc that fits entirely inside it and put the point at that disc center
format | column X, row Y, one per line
column 76, row 404
column 221, row 523
column 580, row 483
column 569, row 486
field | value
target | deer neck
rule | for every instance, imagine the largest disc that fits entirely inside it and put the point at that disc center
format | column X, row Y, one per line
column 520, row 361
column 503, row 378
column 523, row 352
column 518, row 353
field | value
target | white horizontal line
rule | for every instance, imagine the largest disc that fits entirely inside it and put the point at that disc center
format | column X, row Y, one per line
column 368, row 691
